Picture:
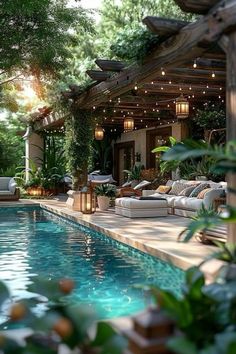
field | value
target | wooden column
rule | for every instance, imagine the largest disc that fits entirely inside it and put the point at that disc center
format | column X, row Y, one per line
column 231, row 120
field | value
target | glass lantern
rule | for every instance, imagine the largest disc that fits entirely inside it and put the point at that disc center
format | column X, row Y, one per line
column 87, row 200
column 99, row 133
column 182, row 107
column 128, row 124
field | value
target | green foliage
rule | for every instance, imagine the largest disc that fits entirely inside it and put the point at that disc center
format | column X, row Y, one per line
column 36, row 34
column 107, row 190
column 211, row 117
column 79, row 135
column 102, row 156
column 134, row 44
column 225, row 156
column 61, row 323
column 11, row 147
column 204, row 315
column 135, row 174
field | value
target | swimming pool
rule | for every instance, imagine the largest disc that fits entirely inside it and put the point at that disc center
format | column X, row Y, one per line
column 35, row 242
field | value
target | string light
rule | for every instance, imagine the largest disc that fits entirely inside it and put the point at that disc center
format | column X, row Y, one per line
column 195, row 64
column 213, row 74
column 94, row 107
column 135, row 87
column 163, row 72
column 190, row 88
column 170, row 82
column 162, row 88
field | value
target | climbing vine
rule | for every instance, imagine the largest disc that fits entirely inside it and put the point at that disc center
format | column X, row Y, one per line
column 79, row 136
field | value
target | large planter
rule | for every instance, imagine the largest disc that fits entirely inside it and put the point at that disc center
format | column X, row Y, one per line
column 103, row 202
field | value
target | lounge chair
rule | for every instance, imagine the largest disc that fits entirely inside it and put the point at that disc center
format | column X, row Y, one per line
column 95, row 179
column 8, row 189
column 127, row 191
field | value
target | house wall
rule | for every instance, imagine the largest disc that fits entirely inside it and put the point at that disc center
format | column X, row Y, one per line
column 139, row 137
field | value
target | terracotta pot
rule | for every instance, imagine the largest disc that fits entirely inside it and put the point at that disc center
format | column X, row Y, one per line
column 35, row 191
column 103, row 202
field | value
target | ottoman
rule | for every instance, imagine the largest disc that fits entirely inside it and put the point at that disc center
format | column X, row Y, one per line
column 136, row 208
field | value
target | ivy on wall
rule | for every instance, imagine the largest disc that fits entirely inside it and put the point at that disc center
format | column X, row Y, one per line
column 79, row 136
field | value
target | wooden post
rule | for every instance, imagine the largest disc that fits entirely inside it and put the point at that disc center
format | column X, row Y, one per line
column 231, row 120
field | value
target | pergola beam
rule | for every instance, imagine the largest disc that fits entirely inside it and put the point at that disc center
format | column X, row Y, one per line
column 98, row 75
column 198, row 7
column 110, row 65
column 163, row 26
column 192, row 40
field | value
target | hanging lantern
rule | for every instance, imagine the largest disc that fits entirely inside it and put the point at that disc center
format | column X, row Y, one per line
column 87, row 200
column 99, row 133
column 182, row 107
column 128, row 124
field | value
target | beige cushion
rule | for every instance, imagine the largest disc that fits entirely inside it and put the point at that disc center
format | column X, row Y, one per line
column 201, row 195
column 142, row 184
column 163, row 189
column 177, row 187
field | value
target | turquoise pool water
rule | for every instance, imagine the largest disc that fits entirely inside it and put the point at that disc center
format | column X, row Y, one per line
column 35, row 242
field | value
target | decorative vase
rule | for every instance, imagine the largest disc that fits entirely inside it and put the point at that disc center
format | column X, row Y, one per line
column 103, row 202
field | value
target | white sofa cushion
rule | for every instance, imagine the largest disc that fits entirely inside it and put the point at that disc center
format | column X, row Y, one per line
column 132, row 203
column 142, row 184
column 12, row 186
column 4, row 182
column 188, row 203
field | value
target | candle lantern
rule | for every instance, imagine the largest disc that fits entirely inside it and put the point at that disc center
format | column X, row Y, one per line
column 128, row 124
column 99, row 133
column 87, row 200
column 182, row 107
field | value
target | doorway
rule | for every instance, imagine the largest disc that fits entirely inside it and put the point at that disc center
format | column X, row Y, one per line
column 156, row 137
column 123, row 160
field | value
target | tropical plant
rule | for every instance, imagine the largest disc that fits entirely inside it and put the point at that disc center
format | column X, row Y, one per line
column 135, row 174
column 61, row 323
column 170, row 165
column 107, row 190
column 205, row 314
column 102, row 156
column 211, row 117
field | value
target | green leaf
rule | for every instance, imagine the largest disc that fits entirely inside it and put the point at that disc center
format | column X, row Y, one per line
column 104, row 333
column 182, row 345
column 4, row 293
column 48, row 288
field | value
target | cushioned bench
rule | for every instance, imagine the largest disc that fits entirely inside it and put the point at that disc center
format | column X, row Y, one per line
column 136, row 208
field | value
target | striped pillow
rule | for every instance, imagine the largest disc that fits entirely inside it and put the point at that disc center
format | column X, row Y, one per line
column 198, row 189
column 187, row 191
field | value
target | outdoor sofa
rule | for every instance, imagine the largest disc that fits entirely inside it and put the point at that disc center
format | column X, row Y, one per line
column 177, row 204
column 8, row 189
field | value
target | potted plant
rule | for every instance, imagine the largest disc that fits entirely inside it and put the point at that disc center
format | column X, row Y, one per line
column 104, row 193
column 134, row 175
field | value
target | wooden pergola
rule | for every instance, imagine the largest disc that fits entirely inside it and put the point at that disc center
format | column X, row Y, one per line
column 197, row 59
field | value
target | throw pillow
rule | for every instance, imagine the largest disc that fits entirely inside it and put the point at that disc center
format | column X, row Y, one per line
column 187, row 191
column 177, row 187
column 198, row 189
column 201, row 195
column 142, row 184
column 12, row 186
column 169, row 183
column 163, row 189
